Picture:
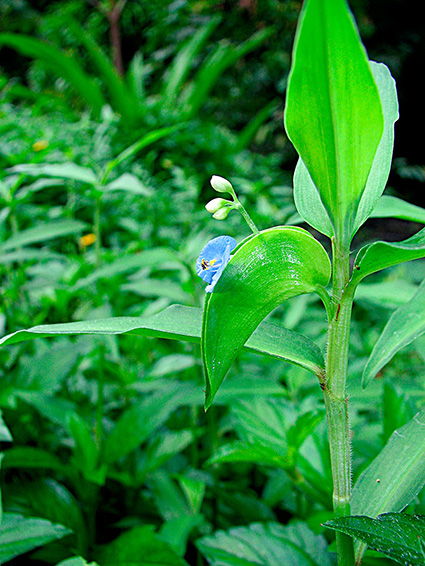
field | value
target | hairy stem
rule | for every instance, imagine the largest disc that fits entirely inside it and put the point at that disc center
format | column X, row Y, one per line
column 336, row 401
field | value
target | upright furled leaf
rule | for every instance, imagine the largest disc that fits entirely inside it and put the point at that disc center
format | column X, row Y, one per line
column 267, row 269
column 333, row 113
column 306, row 196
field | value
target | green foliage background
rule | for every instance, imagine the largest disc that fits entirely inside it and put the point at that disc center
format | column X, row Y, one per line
column 106, row 436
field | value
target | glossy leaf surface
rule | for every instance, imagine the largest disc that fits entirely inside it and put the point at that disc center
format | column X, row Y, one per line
column 267, row 544
column 395, row 476
column 333, row 113
column 184, row 323
column 379, row 255
column 405, row 325
column 306, row 196
column 400, row 537
column 267, row 269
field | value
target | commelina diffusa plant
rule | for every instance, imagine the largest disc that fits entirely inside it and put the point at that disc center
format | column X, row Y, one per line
column 339, row 114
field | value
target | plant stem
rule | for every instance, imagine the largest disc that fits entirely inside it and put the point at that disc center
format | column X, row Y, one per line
column 246, row 217
column 97, row 232
column 336, row 402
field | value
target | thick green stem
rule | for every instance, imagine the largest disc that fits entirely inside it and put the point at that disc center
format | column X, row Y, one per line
column 336, row 401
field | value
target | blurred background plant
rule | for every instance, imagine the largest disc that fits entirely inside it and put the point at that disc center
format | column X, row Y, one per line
column 107, row 145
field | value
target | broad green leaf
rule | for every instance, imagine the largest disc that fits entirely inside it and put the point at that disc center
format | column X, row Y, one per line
column 393, row 207
column 86, row 450
column 146, row 258
column 31, row 457
column 265, row 270
column 62, row 65
column 43, row 233
column 269, row 544
column 306, row 196
column 19, row 534
column 140, row 546
column 400, row 537
column 381, row 165
column 405, row 325
column 380, row 255
column 30, row 254
column 394, row 477
column 129, row 183
column 184, row 323
column 59, row 170
column 333, row 113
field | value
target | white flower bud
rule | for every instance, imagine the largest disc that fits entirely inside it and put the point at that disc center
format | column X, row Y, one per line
column 221, row 185
column 216, row 204
column 222, row 213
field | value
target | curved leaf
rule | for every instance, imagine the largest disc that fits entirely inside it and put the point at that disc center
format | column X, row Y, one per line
column 405, row 325
column 333, row 113
column 379, row 255
column 42, row 233
column 184, row 323
column 393, row 207
column 60, row 64
column 306, row 196
column 267, row 269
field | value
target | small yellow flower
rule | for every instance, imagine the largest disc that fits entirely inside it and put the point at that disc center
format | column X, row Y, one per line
column 40, row 145
column 87, row 240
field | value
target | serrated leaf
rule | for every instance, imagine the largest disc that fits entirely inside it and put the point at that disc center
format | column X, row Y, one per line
column 184, row 323
column 306, row 196
column 400, row 537
column 333, row 113
column 20, row 534
column 264, row 271
column 395, row 476
column 405, row 325
column 267, row 544
column 380, row 255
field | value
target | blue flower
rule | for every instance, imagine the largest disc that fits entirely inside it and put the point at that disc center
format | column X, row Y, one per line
column 213, row 259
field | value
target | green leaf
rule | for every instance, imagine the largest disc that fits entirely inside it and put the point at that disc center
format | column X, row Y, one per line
column 306, row 196
column 380, row 255
column 129, row 183
column 333, row 113
column 183, row 62
column 140, row 546
column 86, row 450
column 43, row 233
column 184, row 323
column 400, row 537
column 32, row 458
column 5, row 435
column 19, row 534
column 265, row 270
column 381, row 165
column 393, row 207
column 57, row 170
column 395, row 476
column 76, row 561
column 141, row 419
column 62, row 65
column 269, row 544
column 388, row 294
column 405, row 325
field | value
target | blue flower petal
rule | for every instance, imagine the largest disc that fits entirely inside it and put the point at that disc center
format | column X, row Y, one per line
column 213, row 259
